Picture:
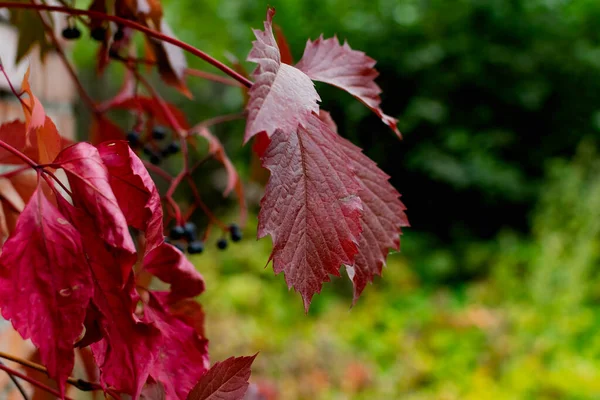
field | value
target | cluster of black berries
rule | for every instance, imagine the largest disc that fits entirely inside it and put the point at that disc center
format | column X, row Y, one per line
column 187, row 233
column 71, row 32
column 158, row 133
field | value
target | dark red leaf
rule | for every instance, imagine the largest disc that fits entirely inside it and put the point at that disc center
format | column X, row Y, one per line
column 92, row 192
column 382, row 218
column 282, row 96
column 182, row 352
column 284, row 48
column 104, row 129
column 190, row 312
column 310, row 208
column 325, row 60
column 171, row 266
column 226, row 380
column 45, row 285
column 135, row 191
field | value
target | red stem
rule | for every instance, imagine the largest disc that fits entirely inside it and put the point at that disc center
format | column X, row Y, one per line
column 158, row 171
column 32, row 381
column 212, row 77
column 12, row 88
column 134, row 25
column 212, row 218
column 217, row 120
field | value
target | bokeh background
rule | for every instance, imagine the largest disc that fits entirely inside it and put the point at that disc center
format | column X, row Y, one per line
column 495, row 292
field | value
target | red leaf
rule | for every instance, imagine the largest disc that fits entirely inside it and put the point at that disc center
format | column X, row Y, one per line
column 42, row 147
column 92, row 192
column 45, row 285
column 135, row 191
column 282, row 96
column 171, row 266
column 190, row 312
column 310, row 208
column 127, row 349
column 182, row 353
column 382, row 218
column 35, row 116
column 284, row 48
column 14, row 133
column 48, row 142
column 226, row 380
column 233, row 179
column 325, row 60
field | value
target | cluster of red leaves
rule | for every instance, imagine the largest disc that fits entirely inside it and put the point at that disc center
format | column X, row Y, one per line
column 70, row 270
column 326, row 204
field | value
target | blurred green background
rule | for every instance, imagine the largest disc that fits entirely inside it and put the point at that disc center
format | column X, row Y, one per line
column 495, row 293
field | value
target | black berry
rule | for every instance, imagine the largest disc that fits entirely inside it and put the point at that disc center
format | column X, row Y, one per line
column 179, row 247
column 71, row 32
column 235, row 232
column 159, row 133
column 189, row 231
column 98, row 33
column 176, row 232
column 155, row 159
column 133, row 138
column 172, row 148
column 195, row 247
column 222, row 244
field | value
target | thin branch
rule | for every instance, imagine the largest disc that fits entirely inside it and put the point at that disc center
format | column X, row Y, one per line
column 33, row 382
column 134, row 25
column 217, row 120
column 158, row 171
column 12, row 88
column 80, row 384
column 20, row 388
column 212, row 77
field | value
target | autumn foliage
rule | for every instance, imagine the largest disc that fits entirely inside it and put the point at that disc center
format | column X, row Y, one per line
column 83, row 223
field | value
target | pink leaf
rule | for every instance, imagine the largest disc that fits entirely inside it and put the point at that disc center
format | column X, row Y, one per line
column 135, row 191
column 90, row 184
column 45, row 286
column 325, row 60
column 226, row 380
column 182, row 353
column 310, row 208
column 282, row 96
column 171, row 266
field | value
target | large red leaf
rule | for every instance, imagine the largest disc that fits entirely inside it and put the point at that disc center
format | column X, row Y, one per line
column 383, row 213
column 171, row 266
column 128, row 346
column 310, row 208
column 282, row 96
column 90, row 184
column 42, row 148
column 135, row 191
column 226, row 380
column 325, row 60
column 45, row 285
column 182, row 352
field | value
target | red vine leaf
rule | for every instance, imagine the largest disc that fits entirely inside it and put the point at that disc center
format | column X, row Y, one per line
column 44, row 258
column 92, row 192
column 127, row 346
column 135, row 191
column 226, row 380
column 284, row 47
column 310, row 208
column 14, row 134
column 325, row 60
column 171, row 266
column 35, row 116
column 282, row 96
column 182, row 353
column 383, row 214
column 48, row 142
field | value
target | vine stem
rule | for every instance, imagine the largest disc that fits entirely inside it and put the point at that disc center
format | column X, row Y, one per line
column 134, row 25
column 32, row 381
column 80, row 384
column 20, row 387
column 212, row 77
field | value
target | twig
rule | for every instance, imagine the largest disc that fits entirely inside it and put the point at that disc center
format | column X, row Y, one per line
column 218, row 120
column 33, row 382
column 212, row 77
column 20, row 388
